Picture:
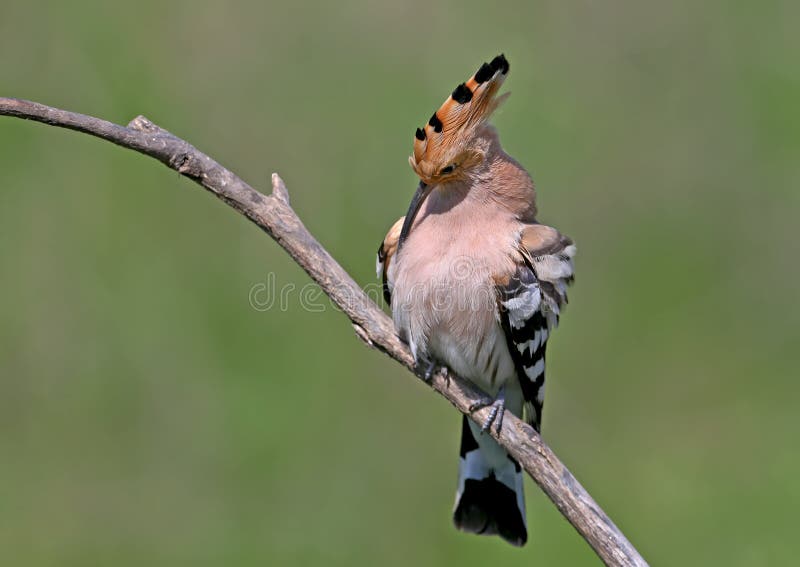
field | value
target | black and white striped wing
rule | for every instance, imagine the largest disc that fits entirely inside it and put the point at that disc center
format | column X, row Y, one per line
column 529, row 306
column 526, row 330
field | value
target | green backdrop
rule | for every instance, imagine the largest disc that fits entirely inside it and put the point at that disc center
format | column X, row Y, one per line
column 150, row 415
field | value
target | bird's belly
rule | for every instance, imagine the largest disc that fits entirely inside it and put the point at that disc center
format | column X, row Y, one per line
column 444, row 298
column 483, row 358
column 451, row 317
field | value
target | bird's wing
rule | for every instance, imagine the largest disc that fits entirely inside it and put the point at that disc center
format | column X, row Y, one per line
column 529, row 303
column 551, row 255
column 386, row 252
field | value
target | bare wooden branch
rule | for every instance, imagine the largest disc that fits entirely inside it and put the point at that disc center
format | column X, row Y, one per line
column 273, row 214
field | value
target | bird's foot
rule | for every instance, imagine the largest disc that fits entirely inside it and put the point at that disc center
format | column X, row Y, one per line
column 495, row 416
column 426, row 369
column 446, row 374
column 429, row 370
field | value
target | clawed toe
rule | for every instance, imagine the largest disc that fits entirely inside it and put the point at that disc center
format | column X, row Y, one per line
column 480, row 404
column 496, row 414
column 430, row 370
column 446, row 374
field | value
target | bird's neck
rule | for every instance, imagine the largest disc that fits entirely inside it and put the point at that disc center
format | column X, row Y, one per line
column 499, row 185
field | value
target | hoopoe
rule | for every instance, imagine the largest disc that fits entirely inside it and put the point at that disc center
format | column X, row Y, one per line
column 476, row 285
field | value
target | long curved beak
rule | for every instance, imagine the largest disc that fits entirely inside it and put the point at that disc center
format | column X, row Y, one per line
column 416, row 202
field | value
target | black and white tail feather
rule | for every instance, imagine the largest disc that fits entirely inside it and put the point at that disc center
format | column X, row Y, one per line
column 489, row 498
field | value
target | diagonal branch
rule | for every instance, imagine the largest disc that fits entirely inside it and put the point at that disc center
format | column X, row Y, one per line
column 273, row 214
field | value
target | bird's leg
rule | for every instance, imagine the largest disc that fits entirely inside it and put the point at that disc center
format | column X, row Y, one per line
column 496, row 414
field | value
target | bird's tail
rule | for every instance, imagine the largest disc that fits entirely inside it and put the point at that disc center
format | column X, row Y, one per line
column 489, row 500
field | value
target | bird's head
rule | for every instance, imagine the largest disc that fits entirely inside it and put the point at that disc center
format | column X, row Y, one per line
column 454, row 141
column 457, row 141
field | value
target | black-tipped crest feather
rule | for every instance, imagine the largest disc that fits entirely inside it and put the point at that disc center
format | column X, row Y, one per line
column 457, row 121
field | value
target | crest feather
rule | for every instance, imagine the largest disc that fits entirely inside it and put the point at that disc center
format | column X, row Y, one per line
column 450, row 127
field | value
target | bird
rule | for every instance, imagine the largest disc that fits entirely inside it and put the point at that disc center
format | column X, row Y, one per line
column 476, row 285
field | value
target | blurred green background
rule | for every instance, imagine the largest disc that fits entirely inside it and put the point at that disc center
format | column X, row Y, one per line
column 149, row 415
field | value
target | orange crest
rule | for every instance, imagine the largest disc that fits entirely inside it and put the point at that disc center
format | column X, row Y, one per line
column 447, row 134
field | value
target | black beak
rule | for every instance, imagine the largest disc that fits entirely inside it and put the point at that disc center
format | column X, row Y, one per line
column 416, row 202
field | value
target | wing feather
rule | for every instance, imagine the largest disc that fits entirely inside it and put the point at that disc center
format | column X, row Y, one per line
column 386, row 252
column 529, row 304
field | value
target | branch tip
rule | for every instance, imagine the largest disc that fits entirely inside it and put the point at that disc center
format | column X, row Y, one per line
column 279, row 188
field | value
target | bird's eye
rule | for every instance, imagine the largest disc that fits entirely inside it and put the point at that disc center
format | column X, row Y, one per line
column 448, row 169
